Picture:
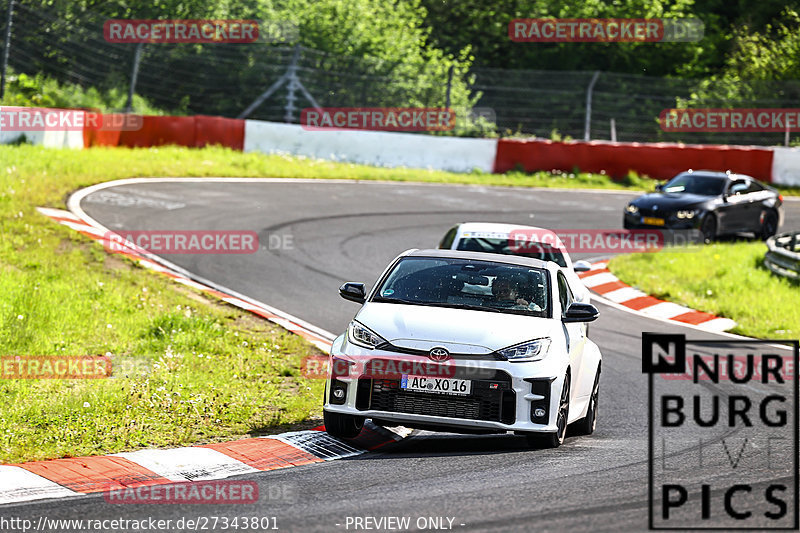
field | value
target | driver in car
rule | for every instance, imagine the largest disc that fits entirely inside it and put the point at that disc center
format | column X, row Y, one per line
column 506, row 290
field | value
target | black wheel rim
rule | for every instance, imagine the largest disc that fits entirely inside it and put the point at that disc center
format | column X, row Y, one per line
column 769, row 225
column 709, row 228
column 563, row 411
column 595, row 395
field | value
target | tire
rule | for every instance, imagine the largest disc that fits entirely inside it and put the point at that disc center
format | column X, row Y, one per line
column 708, row 228
column 556, row 439
column 769, row 225
column 587, row 424
column 342, row 426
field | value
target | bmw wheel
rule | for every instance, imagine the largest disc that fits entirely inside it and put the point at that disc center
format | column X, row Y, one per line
column 342, row 426
column 709, row 228
column 769, row 225
column 556, row 439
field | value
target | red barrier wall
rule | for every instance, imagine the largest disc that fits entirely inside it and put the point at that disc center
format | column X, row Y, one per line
column 658, row 160
column 194, row 131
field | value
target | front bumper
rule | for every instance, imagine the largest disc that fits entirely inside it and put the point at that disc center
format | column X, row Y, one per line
column 636, row 221
column 505, row 396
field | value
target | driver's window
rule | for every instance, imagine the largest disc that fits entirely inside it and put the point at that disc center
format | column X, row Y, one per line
column 738, row 187
column 564, row 294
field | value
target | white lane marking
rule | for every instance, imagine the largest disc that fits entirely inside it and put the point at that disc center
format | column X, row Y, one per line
column 624, row 294
column 718, row 324
column 188, row 464
column 19, row 485
column 665, row 310
column 58, row 213
column 599, row 279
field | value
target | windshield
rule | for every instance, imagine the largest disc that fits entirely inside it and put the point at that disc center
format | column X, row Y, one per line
column 468, row 284
column 503, row 246
column 696, row 184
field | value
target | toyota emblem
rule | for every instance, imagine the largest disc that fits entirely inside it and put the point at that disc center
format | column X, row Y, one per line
column 439, row 354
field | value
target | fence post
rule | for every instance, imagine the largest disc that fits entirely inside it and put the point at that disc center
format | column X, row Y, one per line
column 449, row 86
column 134, row 75
column 613, row 130
column 7, row 44
column 292, row 85
column 587, row 124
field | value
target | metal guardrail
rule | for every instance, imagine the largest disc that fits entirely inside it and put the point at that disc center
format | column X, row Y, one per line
column 783, row 257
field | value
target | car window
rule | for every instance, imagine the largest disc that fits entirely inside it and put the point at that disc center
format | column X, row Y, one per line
column 456, row 282
column 449, row 237
column 754, row 186
column 564, row 293
column 695, row 184
column 738, row 187
column 504, row 246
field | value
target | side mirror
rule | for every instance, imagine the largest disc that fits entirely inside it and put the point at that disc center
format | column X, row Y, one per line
column 579, row 312
column 659, row 187
column 355, row 292
column 581, row 266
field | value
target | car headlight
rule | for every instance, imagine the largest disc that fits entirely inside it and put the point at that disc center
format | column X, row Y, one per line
column 534, row 350
column 632, row 209
column 686, row 213
column 363, row 336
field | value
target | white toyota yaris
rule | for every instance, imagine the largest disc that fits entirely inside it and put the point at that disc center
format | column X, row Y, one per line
column 466, row 342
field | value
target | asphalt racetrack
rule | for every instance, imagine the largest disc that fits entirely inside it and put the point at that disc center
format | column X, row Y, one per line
column 315, row 236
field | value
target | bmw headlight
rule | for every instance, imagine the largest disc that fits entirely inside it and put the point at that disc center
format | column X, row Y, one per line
column 534, row 350
column 686, row 213
column 632, row 209
column 363, row 336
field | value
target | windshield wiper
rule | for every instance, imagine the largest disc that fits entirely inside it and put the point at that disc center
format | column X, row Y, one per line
column 383, row 299
column 471, row 307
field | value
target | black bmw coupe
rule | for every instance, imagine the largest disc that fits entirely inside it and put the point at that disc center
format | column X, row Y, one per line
column 716, row 203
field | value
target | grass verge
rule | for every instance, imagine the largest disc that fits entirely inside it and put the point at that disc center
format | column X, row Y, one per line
column 727, row 279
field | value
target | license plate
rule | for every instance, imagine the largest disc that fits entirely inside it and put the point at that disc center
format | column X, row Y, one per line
column 436, row 385
column 652, row 221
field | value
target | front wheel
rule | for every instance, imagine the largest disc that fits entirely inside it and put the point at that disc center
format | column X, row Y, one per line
column 342, row 426
column 556, row 439
column 587, row 424
column 709, row 228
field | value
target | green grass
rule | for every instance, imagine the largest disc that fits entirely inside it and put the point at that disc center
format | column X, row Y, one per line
column 727, row 279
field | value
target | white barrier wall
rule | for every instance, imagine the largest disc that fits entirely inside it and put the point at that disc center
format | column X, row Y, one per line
column 786, row 166
column 387, row 149
column 49, row 139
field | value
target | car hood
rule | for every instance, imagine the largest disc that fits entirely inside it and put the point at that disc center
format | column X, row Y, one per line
column 459, row 330
column 669, row 201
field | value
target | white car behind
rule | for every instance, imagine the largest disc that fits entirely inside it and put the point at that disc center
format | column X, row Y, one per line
column 490, row 237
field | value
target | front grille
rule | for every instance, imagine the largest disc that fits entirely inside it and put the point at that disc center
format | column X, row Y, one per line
column 484, row 403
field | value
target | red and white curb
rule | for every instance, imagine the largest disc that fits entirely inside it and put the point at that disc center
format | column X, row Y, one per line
column 601, row 281
column 59, row 478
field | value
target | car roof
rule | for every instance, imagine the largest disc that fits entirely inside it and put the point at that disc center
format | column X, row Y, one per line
column 717, row 174
column 494, row 227
column 483, row 256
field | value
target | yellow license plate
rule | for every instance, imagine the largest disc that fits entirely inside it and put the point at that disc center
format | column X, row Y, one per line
column 651, row 221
